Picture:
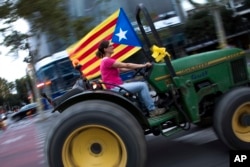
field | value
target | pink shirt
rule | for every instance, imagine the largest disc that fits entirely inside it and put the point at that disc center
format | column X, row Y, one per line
column 110, row 74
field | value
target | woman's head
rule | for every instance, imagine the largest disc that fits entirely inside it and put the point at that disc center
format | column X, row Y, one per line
column 104, row 47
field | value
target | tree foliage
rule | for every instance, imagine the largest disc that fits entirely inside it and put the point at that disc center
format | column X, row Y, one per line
column 23, row 88
column 15, row 41
column 8, row 98
column 44, row 16
column 79, row 26
column 5, row 88
column 201, row 25
column 7, row 12
column 247, row 3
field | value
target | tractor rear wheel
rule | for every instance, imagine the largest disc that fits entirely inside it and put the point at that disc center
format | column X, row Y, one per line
column 96, row 133
column 232, row 119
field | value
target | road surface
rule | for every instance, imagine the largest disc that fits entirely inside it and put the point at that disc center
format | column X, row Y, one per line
column 22, row 145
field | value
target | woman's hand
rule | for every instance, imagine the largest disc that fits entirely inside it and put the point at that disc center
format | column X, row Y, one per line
column 148, row 64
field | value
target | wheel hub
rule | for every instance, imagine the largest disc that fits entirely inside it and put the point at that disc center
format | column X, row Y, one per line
column 84, row 148
column 96, row 148
column 245, row 120
column 241, row 122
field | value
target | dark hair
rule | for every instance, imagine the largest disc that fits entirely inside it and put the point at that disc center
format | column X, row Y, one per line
column 100, row 52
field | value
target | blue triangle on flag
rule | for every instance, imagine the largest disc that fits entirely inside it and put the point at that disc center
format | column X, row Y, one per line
column 124, row 32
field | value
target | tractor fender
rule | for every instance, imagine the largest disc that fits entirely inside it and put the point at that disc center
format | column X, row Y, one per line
column 106, row 96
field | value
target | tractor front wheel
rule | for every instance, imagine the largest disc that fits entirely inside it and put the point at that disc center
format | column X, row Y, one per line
column 232, row 119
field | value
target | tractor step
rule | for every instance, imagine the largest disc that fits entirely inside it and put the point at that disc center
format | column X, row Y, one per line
column 171, row 131
column 158, row 120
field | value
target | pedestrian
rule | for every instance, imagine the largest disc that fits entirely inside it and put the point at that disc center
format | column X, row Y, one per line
column 110, row 73
column 2, row 119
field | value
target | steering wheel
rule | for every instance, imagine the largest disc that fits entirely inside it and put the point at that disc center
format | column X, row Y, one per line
column 141, row 71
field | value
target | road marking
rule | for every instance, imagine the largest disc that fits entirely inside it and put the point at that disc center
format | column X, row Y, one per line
column 13, row 140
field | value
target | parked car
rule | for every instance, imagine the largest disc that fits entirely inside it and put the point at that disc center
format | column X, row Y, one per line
column 29, row 109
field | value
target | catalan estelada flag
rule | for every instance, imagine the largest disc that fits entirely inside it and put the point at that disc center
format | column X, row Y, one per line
column 116, row 28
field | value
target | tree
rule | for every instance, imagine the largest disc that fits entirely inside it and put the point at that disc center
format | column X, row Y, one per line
column 44, row 16
column 247, row 3
column 40, row 14
column 23, row 87
column 6, row 92
column 213, row 6
column 5, row 88
column 78, row 26
column 200, row 26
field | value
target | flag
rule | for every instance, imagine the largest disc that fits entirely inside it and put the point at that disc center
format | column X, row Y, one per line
column 116, row 28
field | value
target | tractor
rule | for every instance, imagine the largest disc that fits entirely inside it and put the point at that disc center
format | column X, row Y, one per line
column 99, row 127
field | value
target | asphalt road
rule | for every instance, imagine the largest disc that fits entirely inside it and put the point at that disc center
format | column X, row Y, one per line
column 196, row 148
column 22, row 145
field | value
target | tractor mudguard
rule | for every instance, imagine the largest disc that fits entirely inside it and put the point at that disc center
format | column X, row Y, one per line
column 104, row 95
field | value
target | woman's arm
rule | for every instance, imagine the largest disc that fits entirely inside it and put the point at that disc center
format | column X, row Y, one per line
column 129, row 66
column 125, row 69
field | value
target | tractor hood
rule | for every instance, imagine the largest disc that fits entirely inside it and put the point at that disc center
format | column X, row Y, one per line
column 187, row 67
column 203, row 60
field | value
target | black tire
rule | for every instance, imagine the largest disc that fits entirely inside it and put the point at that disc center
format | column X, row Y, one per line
column 17, row 118
column 94, row 133
column 226, row 119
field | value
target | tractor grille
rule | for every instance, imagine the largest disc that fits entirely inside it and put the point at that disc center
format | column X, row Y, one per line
column 239, row 70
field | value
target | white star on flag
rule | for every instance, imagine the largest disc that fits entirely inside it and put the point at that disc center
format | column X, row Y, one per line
column 121, row 34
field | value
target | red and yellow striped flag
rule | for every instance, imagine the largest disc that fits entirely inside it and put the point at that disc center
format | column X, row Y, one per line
column 116, row 28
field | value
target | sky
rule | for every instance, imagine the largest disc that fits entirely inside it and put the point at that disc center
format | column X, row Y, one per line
column 12, row 68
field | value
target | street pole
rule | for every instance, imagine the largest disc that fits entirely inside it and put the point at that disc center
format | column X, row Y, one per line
column 30, row 59
column 219, row 27
column 31, row 73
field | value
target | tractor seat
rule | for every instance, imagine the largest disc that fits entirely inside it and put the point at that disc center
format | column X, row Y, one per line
column 122, row 91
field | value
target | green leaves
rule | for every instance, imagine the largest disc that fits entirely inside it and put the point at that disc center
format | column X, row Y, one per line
column 47, row 16
column 21, row 86
column 79, row 26
column 5, row 88
column 200, row 25
column 15, row 40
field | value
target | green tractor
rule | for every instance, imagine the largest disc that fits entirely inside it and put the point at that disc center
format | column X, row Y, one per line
column 105, row 128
